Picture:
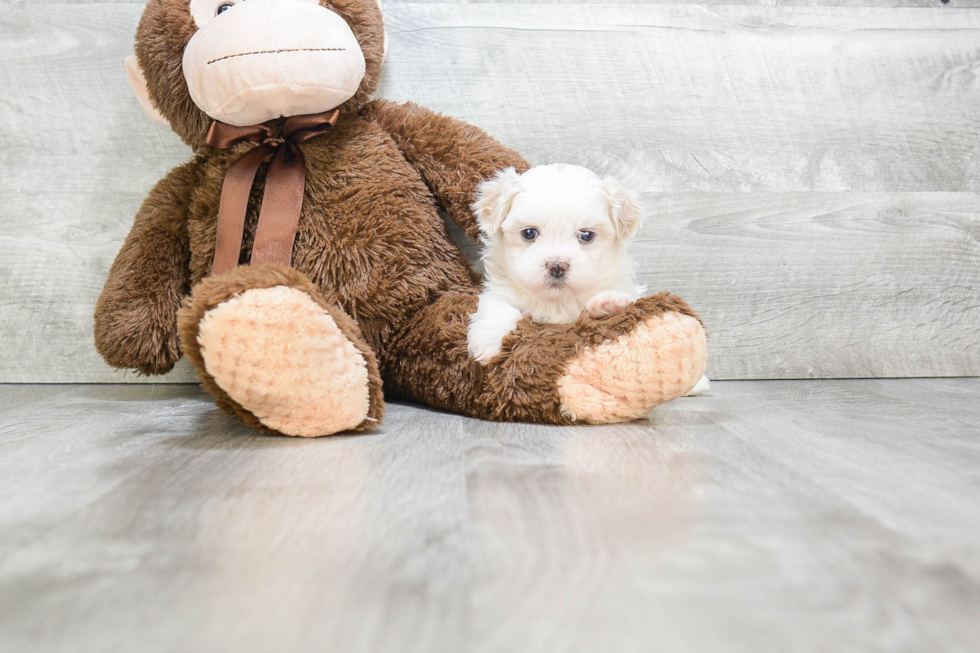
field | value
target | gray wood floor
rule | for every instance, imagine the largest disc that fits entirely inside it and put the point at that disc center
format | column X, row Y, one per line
column 768, row 516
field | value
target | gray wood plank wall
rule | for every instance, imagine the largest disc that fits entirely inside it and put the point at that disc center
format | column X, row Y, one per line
column 811, row 171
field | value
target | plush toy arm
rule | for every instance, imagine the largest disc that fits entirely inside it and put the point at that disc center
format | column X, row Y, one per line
column 136, row 315
column 453, row 156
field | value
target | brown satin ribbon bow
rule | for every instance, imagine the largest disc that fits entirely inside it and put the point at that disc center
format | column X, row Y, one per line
column 285, row 184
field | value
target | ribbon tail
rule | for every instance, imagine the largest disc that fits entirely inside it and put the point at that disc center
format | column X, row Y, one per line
column 282, row 204
column 234, row 205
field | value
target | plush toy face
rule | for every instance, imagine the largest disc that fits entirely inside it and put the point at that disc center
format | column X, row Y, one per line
column 245, row 62
column 257, row 60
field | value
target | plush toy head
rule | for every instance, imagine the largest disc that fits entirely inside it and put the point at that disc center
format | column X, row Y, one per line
column 245, row 62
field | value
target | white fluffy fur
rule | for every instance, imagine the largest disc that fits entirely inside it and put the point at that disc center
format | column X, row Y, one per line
column 560, row 202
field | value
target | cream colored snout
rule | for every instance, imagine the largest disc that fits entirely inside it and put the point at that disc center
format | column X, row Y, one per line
column 259, row 60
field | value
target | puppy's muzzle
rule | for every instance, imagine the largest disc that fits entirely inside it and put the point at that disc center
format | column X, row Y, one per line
column 557, row 269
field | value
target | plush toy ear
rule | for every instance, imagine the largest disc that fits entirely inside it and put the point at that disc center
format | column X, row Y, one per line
column 138, row 82
column 494, row 198
column 624, row 211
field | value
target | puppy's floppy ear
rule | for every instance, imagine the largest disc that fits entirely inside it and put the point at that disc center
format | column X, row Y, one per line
column 624, row 211
column 138, row 82
column 494, row 198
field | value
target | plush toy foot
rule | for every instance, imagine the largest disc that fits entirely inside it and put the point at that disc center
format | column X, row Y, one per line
column 279, row 358
column 662, row 358
column 285, row 360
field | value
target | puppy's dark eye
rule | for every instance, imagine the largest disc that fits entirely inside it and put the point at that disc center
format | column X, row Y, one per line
column 586, row 236
column 529, row 234
column 223, row 7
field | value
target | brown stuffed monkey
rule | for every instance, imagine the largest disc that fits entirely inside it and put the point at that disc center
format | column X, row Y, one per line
column 300, row 261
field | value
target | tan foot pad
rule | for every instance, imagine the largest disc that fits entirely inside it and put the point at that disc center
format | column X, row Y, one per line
column 283, row 358
column 622, row 380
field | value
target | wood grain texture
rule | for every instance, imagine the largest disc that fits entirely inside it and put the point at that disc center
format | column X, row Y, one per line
column 937, row 4
column 810, row 172
column 806, row 516
column 761, row 3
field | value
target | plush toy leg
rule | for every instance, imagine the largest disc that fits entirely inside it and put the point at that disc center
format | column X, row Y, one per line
column 271, row 350
column 613, row 369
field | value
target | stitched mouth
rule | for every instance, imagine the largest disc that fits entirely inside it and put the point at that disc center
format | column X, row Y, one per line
column 249, row 54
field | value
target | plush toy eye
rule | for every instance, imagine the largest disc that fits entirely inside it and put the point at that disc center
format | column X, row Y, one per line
column 586, row 236
column 223, row 7
column 529, row 234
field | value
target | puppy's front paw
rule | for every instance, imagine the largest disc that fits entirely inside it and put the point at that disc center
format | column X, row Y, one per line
column 607, row 303
column 483, row 346
column 486, row 332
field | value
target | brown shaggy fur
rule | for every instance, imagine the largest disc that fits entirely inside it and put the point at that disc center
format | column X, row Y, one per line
column 136, row 315
column 371, row 247
column 520, row 385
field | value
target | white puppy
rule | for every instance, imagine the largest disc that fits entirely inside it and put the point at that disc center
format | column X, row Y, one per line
column 554, row 240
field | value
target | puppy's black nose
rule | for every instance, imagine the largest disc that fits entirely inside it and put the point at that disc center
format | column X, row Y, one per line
column 557, row 269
